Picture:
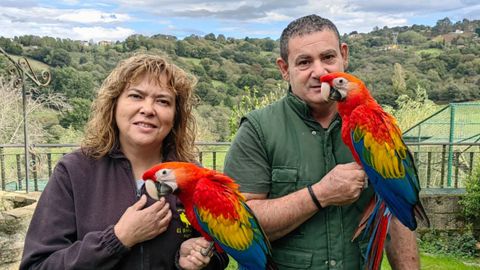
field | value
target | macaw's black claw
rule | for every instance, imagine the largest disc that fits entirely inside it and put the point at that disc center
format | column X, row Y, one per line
column 208, row 251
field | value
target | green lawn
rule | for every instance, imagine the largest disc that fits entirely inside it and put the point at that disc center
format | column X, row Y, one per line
column 428, row 261
column 441, row 262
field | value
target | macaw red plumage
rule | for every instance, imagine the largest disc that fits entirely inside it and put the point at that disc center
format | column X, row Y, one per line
column 215, row 208
column 376, row 143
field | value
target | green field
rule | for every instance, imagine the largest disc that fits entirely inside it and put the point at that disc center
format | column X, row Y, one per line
column 428, row 262
column 433, row 52
column 441, row 262
column 191, row 60
column 36, row 65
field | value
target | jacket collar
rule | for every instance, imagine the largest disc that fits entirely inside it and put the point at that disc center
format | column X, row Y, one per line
column 301, row 108
column 117, row 153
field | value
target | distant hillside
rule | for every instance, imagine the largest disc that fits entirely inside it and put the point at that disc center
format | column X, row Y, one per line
column 443, row 59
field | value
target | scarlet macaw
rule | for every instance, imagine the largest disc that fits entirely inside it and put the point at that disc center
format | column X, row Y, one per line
column 375, row 141
column 215, row 208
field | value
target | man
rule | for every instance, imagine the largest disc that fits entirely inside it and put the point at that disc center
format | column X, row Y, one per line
column 296, row 173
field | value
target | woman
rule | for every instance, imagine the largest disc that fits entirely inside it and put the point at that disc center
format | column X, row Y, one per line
column 92, row 213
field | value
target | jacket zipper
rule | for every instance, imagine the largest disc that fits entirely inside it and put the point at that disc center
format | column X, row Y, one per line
column 138, row 193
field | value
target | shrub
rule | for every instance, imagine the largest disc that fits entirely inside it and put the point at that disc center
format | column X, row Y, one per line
column 471, row 200
column 454, row 243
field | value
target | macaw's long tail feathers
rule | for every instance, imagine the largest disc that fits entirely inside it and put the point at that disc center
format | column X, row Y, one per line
column 365, row 217
column 378, row 229
column 421, row 215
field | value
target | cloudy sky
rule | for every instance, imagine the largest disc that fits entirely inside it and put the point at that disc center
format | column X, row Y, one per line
column 117, row 19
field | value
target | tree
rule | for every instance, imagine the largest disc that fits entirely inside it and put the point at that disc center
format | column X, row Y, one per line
column 210, row 37
column 250, row 100
column 40, row 54
column 199, row 70
column 214, row 119
column 411, row 38
column 10, row 46
column 29, row 40
column 471, row 199
column 249, row 80
column 218, row 74
column 59, row 58
column 221, row 38
column 443, row 26
column 73, row 83
column 182, row 48
column 398, row 80
column 131, row 43
column 268, row 45
column 78, row 115
column 405, row 105
column 11, row 112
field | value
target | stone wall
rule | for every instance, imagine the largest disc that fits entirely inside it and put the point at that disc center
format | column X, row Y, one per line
column 16, row 210
column 443, row 209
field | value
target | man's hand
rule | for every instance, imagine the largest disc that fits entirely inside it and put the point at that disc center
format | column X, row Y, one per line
column 137, row 225
column 342, row 185
column 191, row 257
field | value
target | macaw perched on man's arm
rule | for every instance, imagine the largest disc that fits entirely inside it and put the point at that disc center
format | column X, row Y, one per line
column 215, row 208
column 375, row 141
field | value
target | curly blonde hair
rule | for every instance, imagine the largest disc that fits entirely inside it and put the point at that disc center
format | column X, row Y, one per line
column 101, row 134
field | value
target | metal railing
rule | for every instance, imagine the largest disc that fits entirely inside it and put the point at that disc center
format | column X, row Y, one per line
column 44, row 157
column 20, row 70
column 431, row 159
column 444, row 165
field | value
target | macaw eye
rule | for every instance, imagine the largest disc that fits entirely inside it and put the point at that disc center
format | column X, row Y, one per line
column 164, row 172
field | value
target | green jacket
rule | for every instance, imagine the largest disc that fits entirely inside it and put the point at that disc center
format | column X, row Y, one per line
column 280, row 149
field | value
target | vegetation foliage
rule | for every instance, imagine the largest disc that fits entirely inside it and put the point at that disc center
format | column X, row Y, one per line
column 441, row 62
column 471, row 199
column 452, row 243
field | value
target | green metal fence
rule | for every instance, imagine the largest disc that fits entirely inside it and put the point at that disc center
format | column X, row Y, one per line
column 431, row 159
column 43, row 157
column 454, row 133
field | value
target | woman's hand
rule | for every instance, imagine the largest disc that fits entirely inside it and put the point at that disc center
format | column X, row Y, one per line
column 191, row 257
column 138, row 225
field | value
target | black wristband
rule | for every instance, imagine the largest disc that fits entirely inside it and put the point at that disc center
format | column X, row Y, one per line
column 314, row 198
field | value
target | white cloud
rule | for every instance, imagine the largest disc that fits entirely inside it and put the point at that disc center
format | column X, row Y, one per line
column 111, row 18
column 91, row 16
column 101, row 33
column 77, row 24
column 53, row 15
column 273, row 17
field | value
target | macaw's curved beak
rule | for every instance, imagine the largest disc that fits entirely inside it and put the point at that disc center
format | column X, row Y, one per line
column 331, row 93
column 157, row 190
column 335, row 95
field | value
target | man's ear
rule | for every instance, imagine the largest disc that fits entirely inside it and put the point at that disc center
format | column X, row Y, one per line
column 344, row 51
column 283, row 67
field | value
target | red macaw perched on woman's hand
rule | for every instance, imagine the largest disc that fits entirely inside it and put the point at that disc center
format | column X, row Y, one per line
column 376, row 143
column 215, row 208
